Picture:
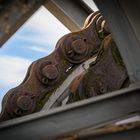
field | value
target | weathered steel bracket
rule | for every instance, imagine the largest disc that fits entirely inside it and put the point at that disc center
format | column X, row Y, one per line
column 106, row 74
column 46, row 74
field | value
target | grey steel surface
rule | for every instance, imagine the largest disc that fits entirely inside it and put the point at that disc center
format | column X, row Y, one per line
column 123, row 19
column 95, row 112
column 132, row 134
column 72, row 13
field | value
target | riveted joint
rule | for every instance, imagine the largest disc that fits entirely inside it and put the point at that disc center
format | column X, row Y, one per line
column 79, row 46
column 24, row 102
column 50, row 71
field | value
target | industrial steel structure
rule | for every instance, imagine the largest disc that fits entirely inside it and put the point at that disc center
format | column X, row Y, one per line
column 83, row 119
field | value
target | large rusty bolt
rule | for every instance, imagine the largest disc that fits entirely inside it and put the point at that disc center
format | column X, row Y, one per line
column 79, row 46
column 50, row 71
column 76, row 49
column 24, row 102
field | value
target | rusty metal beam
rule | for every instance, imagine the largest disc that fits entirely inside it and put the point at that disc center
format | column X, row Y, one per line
column 13, row 14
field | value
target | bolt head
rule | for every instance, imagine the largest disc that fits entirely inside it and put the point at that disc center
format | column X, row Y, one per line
column 50, row 71
column 24, row 103
column 79, row 46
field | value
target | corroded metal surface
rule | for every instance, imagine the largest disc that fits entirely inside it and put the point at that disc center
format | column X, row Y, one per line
column 106, row 74
column 13, row 13
column 46, row 74
column 60, row 95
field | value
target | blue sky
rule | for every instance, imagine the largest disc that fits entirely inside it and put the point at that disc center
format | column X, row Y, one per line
column 35, row 39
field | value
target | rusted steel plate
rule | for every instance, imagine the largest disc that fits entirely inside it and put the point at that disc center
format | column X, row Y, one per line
column 106, row 74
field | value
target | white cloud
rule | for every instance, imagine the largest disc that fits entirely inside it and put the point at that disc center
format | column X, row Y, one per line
column 40, row 49
column 13, row 70
column 12, row 73
column 37, row 39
